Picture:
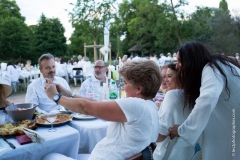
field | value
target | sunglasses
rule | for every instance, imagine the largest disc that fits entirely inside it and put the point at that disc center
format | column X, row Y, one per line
column 99, row 67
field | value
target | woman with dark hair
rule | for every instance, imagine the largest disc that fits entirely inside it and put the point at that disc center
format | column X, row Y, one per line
column 12, row 71
column 211, row 89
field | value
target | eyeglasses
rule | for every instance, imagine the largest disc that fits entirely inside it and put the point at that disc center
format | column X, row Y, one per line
column 99, row 67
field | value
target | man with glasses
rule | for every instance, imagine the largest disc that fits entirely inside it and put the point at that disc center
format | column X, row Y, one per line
column 100, row 70
column 35, row 91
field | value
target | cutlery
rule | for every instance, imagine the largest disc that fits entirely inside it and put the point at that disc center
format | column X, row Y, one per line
column 10, row 144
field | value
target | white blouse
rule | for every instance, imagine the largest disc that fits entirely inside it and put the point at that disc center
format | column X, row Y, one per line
column 172, row 112
column 217, row 114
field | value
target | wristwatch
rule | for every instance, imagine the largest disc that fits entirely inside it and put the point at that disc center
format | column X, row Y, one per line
column 57, row 97
column 72, row 95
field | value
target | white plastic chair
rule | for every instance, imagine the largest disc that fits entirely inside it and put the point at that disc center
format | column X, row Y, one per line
column 77, row 73
column 88, row 72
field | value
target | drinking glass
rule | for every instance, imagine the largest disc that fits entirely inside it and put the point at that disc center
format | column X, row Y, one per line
column 51, row 118
column 2, row 118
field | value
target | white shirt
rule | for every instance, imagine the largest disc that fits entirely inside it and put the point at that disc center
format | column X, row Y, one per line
column 13, row 72
column 125, row 139
column 171, row 112
column 96, row 85
column 217, row 114
column 136, row 58
column 79, row 64
column 35, row 93
column 162, row 61
column 61, row 69
column 155, row 60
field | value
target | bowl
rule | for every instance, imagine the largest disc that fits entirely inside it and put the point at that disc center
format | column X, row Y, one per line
column 26, row 112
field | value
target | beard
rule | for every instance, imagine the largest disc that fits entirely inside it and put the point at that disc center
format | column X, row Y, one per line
column 98, row 75
column 51, row 75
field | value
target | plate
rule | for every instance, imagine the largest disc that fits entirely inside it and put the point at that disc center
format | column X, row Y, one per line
column 82, row 116
column 65, row 111
column 62, row 119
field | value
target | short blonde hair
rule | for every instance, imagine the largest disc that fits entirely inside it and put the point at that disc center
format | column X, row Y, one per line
column 143, row 73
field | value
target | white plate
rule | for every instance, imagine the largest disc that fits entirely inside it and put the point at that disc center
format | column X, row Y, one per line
column 82, row 116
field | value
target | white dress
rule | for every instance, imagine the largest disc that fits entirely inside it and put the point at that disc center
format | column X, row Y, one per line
column 217, row 114
column 125, row 139
column 172, row 112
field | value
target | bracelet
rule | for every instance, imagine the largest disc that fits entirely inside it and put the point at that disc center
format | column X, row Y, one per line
column 72, row 95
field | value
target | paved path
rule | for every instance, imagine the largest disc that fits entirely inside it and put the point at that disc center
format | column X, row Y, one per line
column 19, row 96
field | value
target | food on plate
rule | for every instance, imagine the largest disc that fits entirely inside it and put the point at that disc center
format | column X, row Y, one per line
column 10, row 129
column 60, row 119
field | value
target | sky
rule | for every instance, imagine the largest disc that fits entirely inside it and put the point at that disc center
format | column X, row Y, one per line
column 32, row 10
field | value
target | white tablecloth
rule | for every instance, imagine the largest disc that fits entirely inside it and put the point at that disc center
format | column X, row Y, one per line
column 65, row 141
column 91, row 132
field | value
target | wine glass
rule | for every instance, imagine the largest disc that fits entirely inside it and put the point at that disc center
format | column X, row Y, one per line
column 51, row 118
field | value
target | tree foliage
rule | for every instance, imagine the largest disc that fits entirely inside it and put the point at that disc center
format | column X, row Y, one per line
column 10, row 9
column 49, row 37
column 13, row 42
column 223, row 4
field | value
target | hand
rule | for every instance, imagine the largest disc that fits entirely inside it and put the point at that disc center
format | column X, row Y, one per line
column 158, row 103
column 60, row 89
column 173, row 131
column 51, row 90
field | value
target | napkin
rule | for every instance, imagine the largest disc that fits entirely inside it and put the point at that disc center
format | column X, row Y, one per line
column 23, row 139
column 35, row 137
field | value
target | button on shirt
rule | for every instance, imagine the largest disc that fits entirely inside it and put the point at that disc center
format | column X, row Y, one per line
column 35, row 93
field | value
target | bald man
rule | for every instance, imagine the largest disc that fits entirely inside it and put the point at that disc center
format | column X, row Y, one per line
column 100, row 70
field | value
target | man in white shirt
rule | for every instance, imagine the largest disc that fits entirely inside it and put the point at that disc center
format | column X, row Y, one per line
column 154, row 58
column 136, row 58
column 162, row 60
column 100, row 70
column 80, row 60
column 35, row 91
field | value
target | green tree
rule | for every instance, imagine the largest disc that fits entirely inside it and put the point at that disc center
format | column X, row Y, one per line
column 49, row 37
column 224, row 39
column 92, row 13
column 13, row 42
column 10, row 9
column 224, row 5
column 78, row 39
column 201, row 30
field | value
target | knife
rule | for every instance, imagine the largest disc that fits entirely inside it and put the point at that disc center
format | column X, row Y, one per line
column 10, row 144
